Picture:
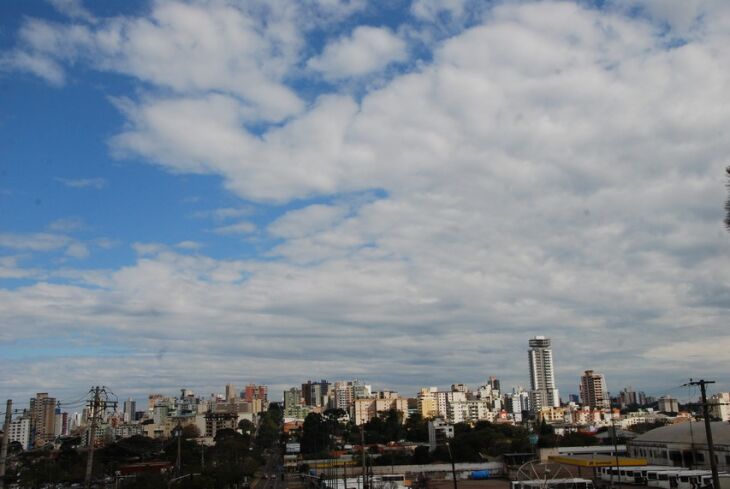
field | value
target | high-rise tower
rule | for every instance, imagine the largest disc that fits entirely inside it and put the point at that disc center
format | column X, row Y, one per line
column 542, row 379
column 593, row 391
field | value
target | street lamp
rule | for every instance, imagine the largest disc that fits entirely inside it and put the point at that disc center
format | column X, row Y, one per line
column 453, row 466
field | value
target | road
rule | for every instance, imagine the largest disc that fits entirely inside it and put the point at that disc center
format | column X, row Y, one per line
column 273, row 475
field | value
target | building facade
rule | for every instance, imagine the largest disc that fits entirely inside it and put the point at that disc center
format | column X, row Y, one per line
column 543, row 392
column 593, row 392
column 19, row 430
column 43, row 419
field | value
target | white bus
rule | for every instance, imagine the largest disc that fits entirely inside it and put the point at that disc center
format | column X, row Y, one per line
column 631, row 475
column 573, row 483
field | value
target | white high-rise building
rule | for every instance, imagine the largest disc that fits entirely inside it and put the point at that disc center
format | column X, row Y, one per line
column 19, row 430
column 543, row 392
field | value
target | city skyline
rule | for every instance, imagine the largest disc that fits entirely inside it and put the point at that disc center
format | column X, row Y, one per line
column 202, row 192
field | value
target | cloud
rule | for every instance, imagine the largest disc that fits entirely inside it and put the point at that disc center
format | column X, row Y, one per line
column 52, row 242
column 430, row 10
column 73, row 9
column 10, row 268
column 189, row 245
column 183, row 47
column 554, row 169
column 224, row 213
column 34, row 241
column 242, row 227
column 77, row 250
column 365, row 51
column 309, row 220
column 35, row 64
column 96, row 183
column 67, row 224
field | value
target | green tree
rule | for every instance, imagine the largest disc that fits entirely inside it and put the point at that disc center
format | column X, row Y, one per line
column 315, row 434
column 416, row 428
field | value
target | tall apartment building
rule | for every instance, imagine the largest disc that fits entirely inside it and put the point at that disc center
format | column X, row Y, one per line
column 720, row 406
column 628, row 397
column 668, row 404
column 494, row 383
column 593, row 392
column 130, row 410
column 19, row 430
column 363, row 410
column 231, row 394
column 258, row 395
column 439, row 433
column 427, row 402
column 292, row 397
column 42, row 419
column 315, row 393
column 444, row 399
column 345, row 393
column 543, row 392
column 517, row 402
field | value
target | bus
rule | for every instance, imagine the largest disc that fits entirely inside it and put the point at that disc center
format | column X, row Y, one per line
column 572, row 483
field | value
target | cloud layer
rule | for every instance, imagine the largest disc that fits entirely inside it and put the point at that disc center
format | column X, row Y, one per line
column 553, row 169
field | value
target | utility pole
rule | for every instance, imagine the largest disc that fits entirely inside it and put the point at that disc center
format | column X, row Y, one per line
column 6, row 440
column 362, row 452
column 615, row 450
column 708, row 429
column 94, row 406
column 97, row 405
column 178, row 461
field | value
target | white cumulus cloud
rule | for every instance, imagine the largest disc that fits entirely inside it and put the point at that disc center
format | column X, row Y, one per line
column 366, row 50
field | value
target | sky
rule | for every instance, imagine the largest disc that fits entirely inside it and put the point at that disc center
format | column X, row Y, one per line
column 201, row 192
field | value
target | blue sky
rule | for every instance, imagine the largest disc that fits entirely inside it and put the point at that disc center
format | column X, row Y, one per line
column 196, row 193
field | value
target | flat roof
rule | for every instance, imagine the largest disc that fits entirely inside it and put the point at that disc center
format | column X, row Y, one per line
column 596, row 461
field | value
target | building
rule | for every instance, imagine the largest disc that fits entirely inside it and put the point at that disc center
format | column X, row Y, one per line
column 543, row 392
column 683, row 444
column 292, row 397
column 427, row 403
column 257, row 392
column 219, row 420
column 628, row 397
column 19, row 430
column 494, row 384
column 517, row 403
column 439, row 432
column 446, row 398
column 466, row 411
column 720, row 406
column 344, row 394
column 668, row 404
column 231, row 394
column 593, row 392
column 363, row 410
column 61, row 424
column 130, row 408
column 42, row 419
column 316, row 394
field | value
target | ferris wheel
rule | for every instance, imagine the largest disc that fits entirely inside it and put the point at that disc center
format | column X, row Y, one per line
column 546, row 475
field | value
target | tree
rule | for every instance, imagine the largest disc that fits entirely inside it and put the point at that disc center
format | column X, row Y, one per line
column 578, row 440
column 190, row 431
column 246, row 427
column 416, row 428
column 315, row 434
